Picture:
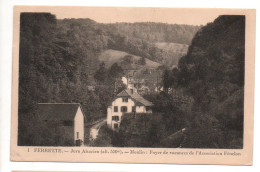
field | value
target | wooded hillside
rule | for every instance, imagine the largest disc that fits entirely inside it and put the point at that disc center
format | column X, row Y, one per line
column 156, row 32
column 212, row 73
column 58, row 62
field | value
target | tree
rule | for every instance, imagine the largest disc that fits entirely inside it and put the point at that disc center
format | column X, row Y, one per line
column 115, row 71
column 174, row 77
column 101, row 73
column 166, row 80
column 142, row 61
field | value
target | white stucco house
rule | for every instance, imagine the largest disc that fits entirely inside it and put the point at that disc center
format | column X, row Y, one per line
column 66, row 116
column 126, row 101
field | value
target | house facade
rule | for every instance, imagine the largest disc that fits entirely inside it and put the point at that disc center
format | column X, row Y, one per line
column 64, row 119
column 126, row 101
column 138, row 85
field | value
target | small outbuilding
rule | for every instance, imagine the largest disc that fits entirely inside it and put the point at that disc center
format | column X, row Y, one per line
column 68, row 116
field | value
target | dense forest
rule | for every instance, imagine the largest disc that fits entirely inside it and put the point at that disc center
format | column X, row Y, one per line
column 213, row 73
column 155, row 32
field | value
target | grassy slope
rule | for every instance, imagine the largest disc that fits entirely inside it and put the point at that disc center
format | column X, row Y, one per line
column 112, row 56
column 174, row 47
column 175, row 51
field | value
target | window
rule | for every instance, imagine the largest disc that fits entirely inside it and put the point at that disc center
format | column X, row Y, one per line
column 115, row 126
column 123, row 109
column 132, row 91
column 115, row 108
column 133, row 109
column 148, row 108
column 125, row 99
column 77, row 135
column 115, row 118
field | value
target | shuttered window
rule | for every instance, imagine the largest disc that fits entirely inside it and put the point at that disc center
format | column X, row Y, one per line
column 115, row 108
column 115, row 118
column 123, row 109
column 115, row 126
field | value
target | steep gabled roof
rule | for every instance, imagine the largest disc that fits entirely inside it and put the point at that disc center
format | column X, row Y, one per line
column 135, row 96
column 123, row 94
column 58, row 111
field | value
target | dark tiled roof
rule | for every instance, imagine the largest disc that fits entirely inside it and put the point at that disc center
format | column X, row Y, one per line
column 137, row 97
column 58, row 111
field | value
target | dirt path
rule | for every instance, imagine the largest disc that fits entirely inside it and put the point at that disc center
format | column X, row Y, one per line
column 95, row 128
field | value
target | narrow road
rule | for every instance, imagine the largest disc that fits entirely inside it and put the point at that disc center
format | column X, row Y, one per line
column 95, row 128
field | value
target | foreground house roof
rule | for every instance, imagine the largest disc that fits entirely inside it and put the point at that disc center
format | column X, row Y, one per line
column 58, row 111
column 135, row 96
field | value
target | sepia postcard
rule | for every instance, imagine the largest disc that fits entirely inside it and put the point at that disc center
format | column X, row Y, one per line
column 133, row 85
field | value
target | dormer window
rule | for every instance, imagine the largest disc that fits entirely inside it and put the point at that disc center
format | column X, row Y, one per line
column 125, row 99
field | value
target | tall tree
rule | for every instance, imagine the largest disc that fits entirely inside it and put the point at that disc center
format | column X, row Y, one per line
column 101, row 73
column 166, row 80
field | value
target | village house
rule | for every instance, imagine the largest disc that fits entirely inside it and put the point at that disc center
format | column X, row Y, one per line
column 68, row 116
column 136, row 84
column 126, row 101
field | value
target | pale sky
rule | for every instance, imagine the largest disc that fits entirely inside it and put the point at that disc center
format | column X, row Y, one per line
column 190, row 16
